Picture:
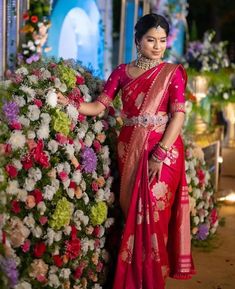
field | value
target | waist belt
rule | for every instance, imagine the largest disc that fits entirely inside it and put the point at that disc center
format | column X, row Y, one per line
column 146, row 120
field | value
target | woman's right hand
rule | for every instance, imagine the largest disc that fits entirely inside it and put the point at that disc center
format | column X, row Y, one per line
column 61, row 99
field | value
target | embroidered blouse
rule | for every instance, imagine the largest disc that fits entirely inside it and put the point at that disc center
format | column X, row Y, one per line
column 174, row 100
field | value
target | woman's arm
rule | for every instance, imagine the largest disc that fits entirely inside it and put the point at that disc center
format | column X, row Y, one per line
column 86, row 108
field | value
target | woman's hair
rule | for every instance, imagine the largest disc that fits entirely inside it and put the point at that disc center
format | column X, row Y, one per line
column 147, row 22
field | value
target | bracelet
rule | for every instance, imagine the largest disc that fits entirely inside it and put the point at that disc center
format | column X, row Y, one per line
column 162, row 146
column 156, row 159
column 159, row 154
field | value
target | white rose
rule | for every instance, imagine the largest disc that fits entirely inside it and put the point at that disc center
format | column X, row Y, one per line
column 22, row 70
column 33, row 79
column 12, row 188
column 49, row 192
column 24, row 121
column 54, row 281
column 70, row 150
column 72, row 113
column 58, row 236
column 98, row 126
column 196, row 220
column 51, row 98
column 37, row 232
column 20, row 101
column 41, row 208
column 23, row 285
column 45, row 118
column 77, row 177
column 29, row 184
column 35, row 174
column 65, row 273
column 17, row 164
column 22, row 195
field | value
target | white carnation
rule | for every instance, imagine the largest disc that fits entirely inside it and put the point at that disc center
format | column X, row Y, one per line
column 31, row 134
column 51, row 98
column 63, row 87
column 17, row 140
column 49, row 192
column 57, row 83
column 12, row 188
column 85, row 198
column 45, row 118
column 55, row 183
column 77, row 177
column 33, row 79
column 29, row 184
column 50, row 236
column 67, row 167
column 53, row 146
column 70, row 192
column 23, row 285
column 41, row 208
column 96, row 286
column 69, row 148
column 88, row 141
column 67, row 230
column 77, row 145
column 22, row 70
column 99, row 196
column 17, row 164
column 24, row 121
column 22, row 195
column 45, row 73
column 35, row 174
column 33, row 112
column 20, row 101
column 43, row 132
column 65, row 273
column 109, row 222
column 58, row 236
column 196, row 220
column 83, row 185
column 98, row 126
column 54, row 281
column 37, row 232
column 29, row 221
column 72, row 113
column 29, row 91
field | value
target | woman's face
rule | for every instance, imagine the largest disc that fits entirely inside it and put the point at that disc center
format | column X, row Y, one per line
column 153, row 43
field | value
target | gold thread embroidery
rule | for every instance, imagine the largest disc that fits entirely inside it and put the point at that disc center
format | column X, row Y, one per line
column 122, row 148
column 139, row 100
column 127, row 252
column 154, row 246
column 104, row 99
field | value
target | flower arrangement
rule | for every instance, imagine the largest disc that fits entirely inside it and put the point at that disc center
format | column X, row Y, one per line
column 54, row 180
column 204, row 216
column 35, row 31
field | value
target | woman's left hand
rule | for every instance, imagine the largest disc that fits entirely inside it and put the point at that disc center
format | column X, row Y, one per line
column 155, row 169
column 62, row 99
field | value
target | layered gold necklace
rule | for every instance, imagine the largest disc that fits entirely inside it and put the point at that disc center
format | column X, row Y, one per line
column 146, row 63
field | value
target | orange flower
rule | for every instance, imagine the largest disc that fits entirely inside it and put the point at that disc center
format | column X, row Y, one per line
column 27, row 29
column 100, row 181
column 101, row 137
column 30, row 202
column 78, row 193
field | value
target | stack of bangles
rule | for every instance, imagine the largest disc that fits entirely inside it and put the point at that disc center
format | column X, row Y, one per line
column 160, row 153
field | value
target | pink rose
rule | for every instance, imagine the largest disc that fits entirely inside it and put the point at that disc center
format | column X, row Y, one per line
column 30, row 202
column 16, row 125
column 95, row 186
column 37, row 102
column 63, row 176
column 61, row 138
column 97, row 145
column 43, row 220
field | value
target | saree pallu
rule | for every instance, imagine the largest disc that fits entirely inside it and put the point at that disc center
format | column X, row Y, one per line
column 147, row 255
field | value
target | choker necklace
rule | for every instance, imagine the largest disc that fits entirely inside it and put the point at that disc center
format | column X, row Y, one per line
column 146, row 63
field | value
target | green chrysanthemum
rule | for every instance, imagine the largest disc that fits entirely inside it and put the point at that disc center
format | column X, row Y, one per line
column 67, row 75
column 98, row 213
column 62, row 214
column 61, row 122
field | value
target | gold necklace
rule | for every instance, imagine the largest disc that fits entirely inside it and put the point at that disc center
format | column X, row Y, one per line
column 146, row 63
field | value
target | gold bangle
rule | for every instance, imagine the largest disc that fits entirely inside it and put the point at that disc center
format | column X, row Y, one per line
column 156, row 159
column 162, row 146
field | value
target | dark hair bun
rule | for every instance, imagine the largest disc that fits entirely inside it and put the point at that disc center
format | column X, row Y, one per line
column 149, row 21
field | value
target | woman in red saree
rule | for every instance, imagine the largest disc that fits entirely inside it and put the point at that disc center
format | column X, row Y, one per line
column 153, row 192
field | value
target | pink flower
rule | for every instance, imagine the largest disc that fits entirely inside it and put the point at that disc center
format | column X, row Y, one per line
column 16, row 125
column 95, row 186
column 37, row 102
column 80, row 80
column 81, row 117
column 63, row 176
column 61, row 138
column 201, row 176
column 26, row 246
column 15, row 206
column 97, row 145
column 43, row 220
column 37, row 195
column 30, row 202
column 11, row 171
column 213, row 216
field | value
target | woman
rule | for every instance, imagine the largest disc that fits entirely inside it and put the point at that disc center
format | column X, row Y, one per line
column 153, row 193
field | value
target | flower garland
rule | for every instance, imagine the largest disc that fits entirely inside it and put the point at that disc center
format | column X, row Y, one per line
column 35, row 31
column 54, row 181
column 204, row 215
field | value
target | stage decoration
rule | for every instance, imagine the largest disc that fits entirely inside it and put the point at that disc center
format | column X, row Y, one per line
column 204, row 215
column 54, row 180
column 35, row 31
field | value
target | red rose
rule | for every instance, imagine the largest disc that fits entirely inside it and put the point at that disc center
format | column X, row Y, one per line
column 58, row 260
column 81, row 117
column 97, row 145
column 16, row 125
column 8, row 149
column 11, row 170
column 37, row 195
column 78, row 272
column 27, row 162
column 26, row 16
column 39, row 250
column 80, row 80
column 37, row 102
column 40, row 156
column 34, row 19
column 15, row 206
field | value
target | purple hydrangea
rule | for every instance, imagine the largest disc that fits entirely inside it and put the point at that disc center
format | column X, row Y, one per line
column 11, row 111
column 89, row 160
column 8, row 267
column 203, row 232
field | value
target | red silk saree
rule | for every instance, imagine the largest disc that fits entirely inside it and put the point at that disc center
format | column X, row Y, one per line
column 156, row 238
